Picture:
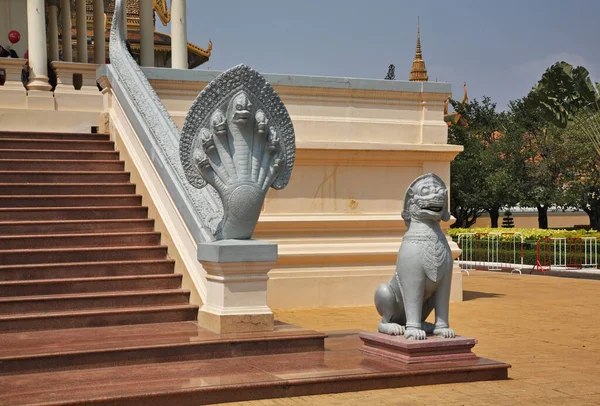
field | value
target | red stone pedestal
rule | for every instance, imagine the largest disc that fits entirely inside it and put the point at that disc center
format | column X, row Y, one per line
column 433, row 349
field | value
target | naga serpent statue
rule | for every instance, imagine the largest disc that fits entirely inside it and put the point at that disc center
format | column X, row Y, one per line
column 238, row 138
column 423, row 274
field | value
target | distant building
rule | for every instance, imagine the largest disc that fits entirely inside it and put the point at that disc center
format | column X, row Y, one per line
column 95, row 16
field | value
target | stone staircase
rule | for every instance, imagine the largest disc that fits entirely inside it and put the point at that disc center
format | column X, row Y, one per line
column 76, row 246
column 86, row 285
column 92, row 312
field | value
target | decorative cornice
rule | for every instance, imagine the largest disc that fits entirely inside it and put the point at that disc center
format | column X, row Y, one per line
column 411, row 155
column 160, row 6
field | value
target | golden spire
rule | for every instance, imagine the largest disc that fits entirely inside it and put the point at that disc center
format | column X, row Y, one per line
column 418, row 72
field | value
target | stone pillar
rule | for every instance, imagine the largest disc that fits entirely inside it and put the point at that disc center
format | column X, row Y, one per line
column 81, row 26
column 99, row 36
column 146, row 33
column 237, row 272
column 36, row 42
column 53, row 30
column 179, row 59
column 65, row 18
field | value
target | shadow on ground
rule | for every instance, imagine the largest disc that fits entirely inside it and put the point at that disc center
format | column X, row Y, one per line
column 471, row 295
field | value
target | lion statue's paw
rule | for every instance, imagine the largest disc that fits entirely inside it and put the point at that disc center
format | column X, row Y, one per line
column 391, row 329
column 428, row 327
column 415, row 334
column 444, row 332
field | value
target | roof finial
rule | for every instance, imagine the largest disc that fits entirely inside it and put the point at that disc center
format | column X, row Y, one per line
column 418, row 53
column 418, row 72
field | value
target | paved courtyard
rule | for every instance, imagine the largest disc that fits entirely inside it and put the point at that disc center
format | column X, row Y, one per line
column 548, row 328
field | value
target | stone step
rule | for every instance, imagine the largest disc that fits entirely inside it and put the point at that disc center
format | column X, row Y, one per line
column 86, row 269
column 218, row 380
column 42, row 144
column 36, row 351
column 60, row 165
column 97, row 318
column 72, row 213
column 54, row 136
column 65, row 255
column 89, row 285
column 39, row 189
column 69, row 201
column 83, row 301
column 63, row 177
column 130, row 239
column 58, row 154
column 13, row 228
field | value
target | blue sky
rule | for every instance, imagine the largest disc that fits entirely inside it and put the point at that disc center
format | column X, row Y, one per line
column 500, row 48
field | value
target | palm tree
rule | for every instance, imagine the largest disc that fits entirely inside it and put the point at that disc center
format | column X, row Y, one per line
column 562, row 91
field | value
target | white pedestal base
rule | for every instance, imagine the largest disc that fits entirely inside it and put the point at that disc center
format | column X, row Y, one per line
column 236, row 294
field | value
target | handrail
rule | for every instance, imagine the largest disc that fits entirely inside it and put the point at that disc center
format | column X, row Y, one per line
column 200, row 209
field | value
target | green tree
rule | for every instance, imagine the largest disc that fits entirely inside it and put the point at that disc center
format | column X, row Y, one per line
column 543, row 158
column 582, row 185
column 485, row 176
column 391, row 73
column 465, row 200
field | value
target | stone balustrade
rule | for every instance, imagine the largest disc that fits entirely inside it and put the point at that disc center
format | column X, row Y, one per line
column 76, row 87
column 13, row 92
column 74, row 105
column 73, row 76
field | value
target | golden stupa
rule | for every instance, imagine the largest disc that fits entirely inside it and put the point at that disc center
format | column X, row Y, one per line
column 418, row 72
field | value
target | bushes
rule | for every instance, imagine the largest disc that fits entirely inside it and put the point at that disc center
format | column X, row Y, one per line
column 505, row 248
column 528, row 233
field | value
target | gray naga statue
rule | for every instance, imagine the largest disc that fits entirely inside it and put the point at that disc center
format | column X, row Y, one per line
column 423, row 274
column 238, row 138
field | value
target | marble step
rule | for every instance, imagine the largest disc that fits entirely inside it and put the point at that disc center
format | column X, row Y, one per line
column 57, row 154
column 88, row 285
column 29, row 352
column 72, row 213
column 70, row 201
column 63, row 177
column 43, row 189
column 86, row 269
column 97, row 318
column 96, row 300
column 60, row 165
column 17, row 228
column 218, row 380
column 54, row 136
column 86, row 254
column 80, row 240
column 45, row 144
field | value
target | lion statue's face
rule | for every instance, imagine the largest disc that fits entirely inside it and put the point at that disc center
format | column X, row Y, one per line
column 428, row 200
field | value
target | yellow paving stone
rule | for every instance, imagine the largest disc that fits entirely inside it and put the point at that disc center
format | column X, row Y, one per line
column 547, row 328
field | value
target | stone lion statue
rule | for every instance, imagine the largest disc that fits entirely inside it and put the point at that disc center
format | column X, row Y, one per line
column 423, row 274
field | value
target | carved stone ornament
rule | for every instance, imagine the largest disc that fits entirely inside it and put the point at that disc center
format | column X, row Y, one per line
column 238, row 137
column 423, row 274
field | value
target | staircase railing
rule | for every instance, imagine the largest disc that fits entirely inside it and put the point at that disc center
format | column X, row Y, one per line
column 200, row 209
column 149, row 137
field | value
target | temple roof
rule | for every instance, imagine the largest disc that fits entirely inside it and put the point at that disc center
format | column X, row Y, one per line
column 133, row 10
column 162, row 41
column 418, row 72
